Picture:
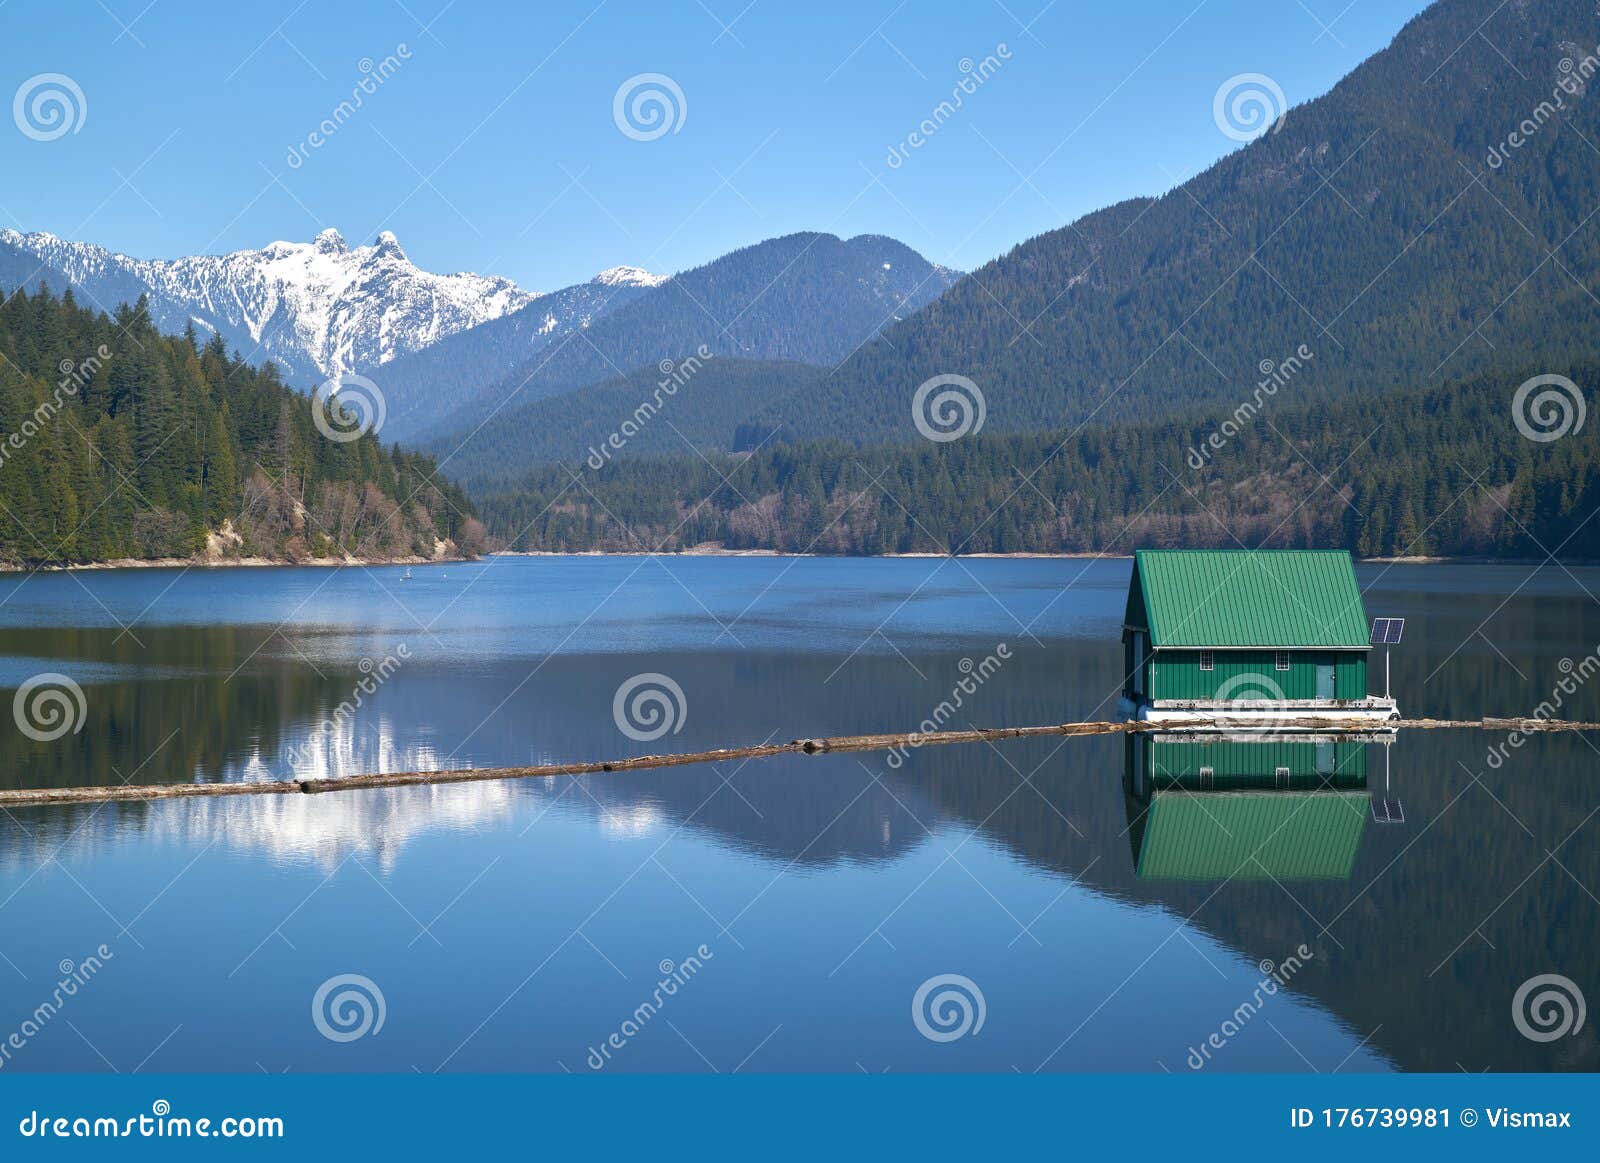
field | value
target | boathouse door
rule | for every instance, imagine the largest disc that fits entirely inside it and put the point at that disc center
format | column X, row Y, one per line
column 1325, row 685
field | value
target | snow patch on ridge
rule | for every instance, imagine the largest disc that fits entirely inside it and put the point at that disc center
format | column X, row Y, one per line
column 628, row 277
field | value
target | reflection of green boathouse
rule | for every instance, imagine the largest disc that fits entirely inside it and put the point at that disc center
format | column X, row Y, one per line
column 1207, row 808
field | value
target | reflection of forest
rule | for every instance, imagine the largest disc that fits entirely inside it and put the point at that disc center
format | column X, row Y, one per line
column 1431, row 924
column 168, row 710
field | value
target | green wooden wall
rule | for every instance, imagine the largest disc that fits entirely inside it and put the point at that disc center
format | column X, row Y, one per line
column 1176, row 674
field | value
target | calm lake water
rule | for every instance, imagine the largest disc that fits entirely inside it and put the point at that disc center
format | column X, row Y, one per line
column 801, row 902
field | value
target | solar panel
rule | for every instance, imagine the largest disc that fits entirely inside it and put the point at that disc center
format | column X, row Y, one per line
column 1387, row 631
column 1387, row 811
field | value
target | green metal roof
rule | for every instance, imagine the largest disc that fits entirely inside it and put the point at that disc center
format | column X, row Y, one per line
column 1250, row 597
column 1250, row 835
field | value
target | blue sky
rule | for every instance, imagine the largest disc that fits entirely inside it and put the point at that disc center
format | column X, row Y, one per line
column 492, row 145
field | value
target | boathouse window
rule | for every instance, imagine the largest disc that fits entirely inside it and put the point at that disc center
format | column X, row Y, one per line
column 1283, row 660
column 1208, row 660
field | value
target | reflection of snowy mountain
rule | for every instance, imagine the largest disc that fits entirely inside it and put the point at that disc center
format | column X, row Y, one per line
column 327, row 828
column 322, row 829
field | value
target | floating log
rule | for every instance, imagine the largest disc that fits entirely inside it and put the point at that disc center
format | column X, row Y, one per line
column 911, row 740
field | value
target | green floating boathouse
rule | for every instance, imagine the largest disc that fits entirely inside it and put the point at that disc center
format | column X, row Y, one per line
column 1247, row 635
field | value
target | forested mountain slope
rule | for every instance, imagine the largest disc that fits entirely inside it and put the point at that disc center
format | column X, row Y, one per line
column 1371, row 227
column 1442, row 470
column 120, row 442
column 805, row 298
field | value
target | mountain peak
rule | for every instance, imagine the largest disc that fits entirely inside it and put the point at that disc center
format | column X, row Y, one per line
column 330, row 241
column 626, row 276
column 387, row 244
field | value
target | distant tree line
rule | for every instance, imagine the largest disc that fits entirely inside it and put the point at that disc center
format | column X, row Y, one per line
column 1442, row 471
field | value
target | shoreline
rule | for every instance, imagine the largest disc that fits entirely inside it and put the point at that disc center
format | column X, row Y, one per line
column 229, row 563
column 699, row 552
column 367, row 562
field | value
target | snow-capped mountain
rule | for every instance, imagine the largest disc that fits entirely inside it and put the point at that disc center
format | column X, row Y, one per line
column 447, row 351
column 318, row 309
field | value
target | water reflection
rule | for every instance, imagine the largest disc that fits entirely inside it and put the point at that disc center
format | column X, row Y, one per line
column 1486, row 875
column 377, row 823
column 1243, row 807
